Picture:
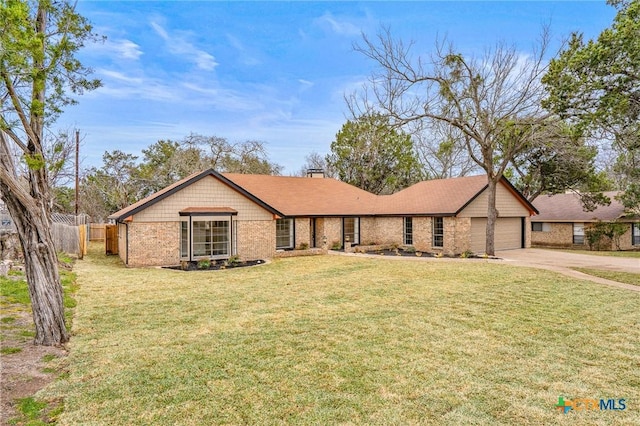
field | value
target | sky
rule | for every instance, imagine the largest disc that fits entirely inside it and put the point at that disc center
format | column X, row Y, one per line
column 276, row 72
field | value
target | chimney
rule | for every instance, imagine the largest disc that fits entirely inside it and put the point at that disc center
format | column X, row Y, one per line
column 315, row 173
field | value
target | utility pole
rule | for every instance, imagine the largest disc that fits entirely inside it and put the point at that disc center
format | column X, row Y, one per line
column 77, row 169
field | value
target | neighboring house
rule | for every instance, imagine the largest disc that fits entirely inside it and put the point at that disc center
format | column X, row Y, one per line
column 216, row 216
column 562, row 221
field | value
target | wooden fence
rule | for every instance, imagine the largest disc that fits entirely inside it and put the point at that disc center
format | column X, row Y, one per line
column 97, row 232
column 71, row 239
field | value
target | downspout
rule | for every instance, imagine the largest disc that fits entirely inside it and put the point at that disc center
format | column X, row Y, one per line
column 126, row 239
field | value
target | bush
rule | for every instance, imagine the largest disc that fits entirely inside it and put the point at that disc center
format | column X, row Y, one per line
column 204, row 264
column 303, row 246
column 600, row 234
column 336, row 245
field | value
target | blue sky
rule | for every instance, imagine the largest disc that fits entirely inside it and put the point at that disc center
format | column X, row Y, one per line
column 271, row 71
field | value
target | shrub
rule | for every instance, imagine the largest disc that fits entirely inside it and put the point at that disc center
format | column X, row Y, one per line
column 336, row 245
column 303, row 246
column 466, row 254
column 234, row 259
column 204, row 264
column 410, row 249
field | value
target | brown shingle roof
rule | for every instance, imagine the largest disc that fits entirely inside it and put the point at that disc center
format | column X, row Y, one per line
column 568, row 208
column 205, row 210
column 302, row 196
column 297, row 196
column 435, row 197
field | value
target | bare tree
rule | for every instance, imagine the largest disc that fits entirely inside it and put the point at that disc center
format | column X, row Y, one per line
column 493, row 100
column 316, row 161
column 442, row 150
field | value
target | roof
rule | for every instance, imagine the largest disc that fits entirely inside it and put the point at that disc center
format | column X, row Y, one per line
column 437, row 196
column 302, row 196
column 207, row 210
column 568, row 208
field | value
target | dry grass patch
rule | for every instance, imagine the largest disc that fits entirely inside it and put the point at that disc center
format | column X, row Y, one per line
column 330, row 339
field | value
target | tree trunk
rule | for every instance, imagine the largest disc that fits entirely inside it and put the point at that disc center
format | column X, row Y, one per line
column 492, row 216
column 41, row 268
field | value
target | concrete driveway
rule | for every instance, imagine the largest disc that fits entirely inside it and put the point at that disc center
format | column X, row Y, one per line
column 562, row 262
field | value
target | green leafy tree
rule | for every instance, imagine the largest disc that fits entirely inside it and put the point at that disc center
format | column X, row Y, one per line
column 113, row 186
column 596, row 85
column 370, row 154
column 38, row 67
column 558, row 160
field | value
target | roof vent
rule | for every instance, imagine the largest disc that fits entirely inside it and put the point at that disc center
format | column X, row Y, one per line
column 315, row 173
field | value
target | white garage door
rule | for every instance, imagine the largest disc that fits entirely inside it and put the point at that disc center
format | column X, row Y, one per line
column 508, row 233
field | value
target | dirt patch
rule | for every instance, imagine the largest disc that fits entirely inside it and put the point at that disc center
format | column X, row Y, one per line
column 26, row 368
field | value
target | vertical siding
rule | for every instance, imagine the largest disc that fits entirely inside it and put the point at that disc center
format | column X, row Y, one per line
column 506, row 203
column 207, row 192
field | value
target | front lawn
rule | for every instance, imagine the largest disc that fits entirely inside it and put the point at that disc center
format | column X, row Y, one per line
column 602, row 253
column 331, row 339
column 621, row 277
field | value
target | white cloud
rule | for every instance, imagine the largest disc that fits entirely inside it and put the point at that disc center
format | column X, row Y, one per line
column 118, row 48
column 126, row 49
column 178, row 44
column 338, row 26
column 115, row 75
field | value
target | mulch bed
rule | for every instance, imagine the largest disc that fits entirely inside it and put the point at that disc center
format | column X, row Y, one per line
column 214, row 265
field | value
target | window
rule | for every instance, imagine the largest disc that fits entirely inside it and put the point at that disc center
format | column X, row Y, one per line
column 438, row 231
column 211, row 238
column 578, row 233
column 351, row 230
column 635, row 234
column 536, row 226
column 408, row 231
column 184, row 239
column 284, row 234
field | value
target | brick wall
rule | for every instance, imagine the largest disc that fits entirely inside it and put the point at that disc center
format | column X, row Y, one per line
column 559, row 235
column 333, row 230
column 154, row 243
column 462, row 239
column 256, row 239
column 303, row 231
column 422, row 233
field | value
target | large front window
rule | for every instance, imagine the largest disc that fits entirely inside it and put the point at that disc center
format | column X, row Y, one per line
column 284, row 234
column 351, row 230
column 438, row 232
column 635, row 234
column 211, row 238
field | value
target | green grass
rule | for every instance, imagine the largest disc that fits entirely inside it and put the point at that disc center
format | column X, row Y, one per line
column 49, row 357
column 339, row 340
column 7, row 320
column 10, row 350
column 31, row 412
column 17, row 291
column 621, row 277
column 603, row 253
